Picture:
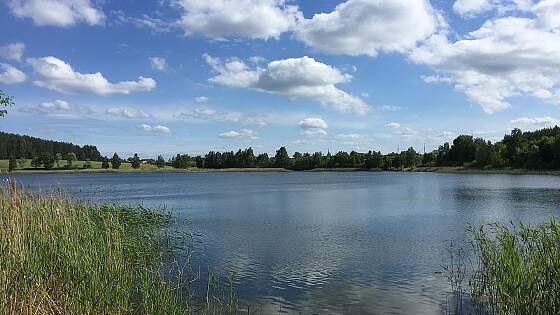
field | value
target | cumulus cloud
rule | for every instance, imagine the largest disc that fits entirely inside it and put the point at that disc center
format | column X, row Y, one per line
column 57, row 12
column 506, row 57
column 220, row 19
column 393, row 125
column 399, row 130
column 55, row 74
column 202, row 99
column 158, row 63
column 224, row 116
column 57, row 104
column 294, row 78
column 58, row 109
column 11, row 75
column 313, row 126
column 367, row 27
column 155, row 129
column 127, row 112
column 240, row 134
column 13, row 51
column 537, row 121
column 472, row 8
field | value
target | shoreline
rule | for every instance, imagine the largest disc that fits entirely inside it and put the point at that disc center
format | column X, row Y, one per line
column 420, row 169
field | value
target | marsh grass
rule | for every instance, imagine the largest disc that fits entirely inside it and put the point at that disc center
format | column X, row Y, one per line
column 61, row 256
column 515, row 269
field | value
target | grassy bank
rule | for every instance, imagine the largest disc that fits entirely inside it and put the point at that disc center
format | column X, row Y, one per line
column 59, row 256
column 516, row 269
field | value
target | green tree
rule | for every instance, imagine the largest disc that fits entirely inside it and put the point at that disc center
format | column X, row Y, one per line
column 160, row 162
column 36, row 162
column 104, row 162
column 12, row 164
column 5, row 101
column 282, row 159
column 116, row 161
column 135, row 161
column 47, row 161
column 21, row 162
column 70, row 159
column 410, row 157
column 57, row 158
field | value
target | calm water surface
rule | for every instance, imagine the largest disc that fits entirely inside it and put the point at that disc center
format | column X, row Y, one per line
column 351, row 243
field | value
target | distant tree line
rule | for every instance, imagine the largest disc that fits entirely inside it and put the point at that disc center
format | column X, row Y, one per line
column 18, row 146
column 538, row 149
column 532, row 150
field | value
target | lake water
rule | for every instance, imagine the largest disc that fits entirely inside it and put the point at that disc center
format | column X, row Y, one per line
column 352, row 243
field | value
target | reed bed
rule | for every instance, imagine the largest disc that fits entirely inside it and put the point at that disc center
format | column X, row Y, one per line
column 61, row 256
column 515, row 269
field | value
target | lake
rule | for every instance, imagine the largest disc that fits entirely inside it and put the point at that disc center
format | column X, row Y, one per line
column 328, row 243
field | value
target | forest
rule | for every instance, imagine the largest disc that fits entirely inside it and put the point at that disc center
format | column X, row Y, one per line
column 17, row 146
column 538, row 149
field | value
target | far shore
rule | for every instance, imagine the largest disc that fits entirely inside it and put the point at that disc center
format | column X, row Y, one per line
column 168, row 169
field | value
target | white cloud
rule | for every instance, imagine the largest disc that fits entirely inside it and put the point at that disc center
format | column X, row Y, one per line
column 313, row 126
column 393, row 125
column 57, row 12
column 155, row 129
column 225, row 116
column 537, row 121
column 309, row 123
column 202, row 99
column 55, row 74
column 156, row 25
column 367, row 27
column 293, row 77
column 13, row 51
column 11, row 75
column 397, row 129
column 57, row 104
column 158, row 63
column 240, row 134
column 548, row 13
column 472, row 8
column 127, row 112
column 504, row 58
column 220, row 19
column 60, row 109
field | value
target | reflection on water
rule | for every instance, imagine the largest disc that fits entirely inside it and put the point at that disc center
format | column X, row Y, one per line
column 328, row 242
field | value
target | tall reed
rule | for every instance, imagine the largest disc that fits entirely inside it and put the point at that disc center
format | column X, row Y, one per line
column 62, row 256
column 514, row 269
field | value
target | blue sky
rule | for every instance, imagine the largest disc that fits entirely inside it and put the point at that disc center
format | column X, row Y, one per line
column 189, row 76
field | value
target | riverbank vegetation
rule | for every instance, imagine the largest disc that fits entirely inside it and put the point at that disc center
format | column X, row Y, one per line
column 536, row 150
column 60, row 256
column 511, row 270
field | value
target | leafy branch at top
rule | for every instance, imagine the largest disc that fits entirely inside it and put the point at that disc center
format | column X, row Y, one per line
column 5, row 101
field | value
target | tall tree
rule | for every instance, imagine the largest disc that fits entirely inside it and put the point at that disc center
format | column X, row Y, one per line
column 282, row 159
column 57, row 158
column 12, row 164
column 116, row 161
column 135, row 161
column 160, row 162
column 70, row 159
column 105, row 162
